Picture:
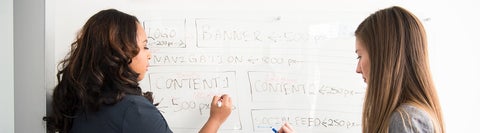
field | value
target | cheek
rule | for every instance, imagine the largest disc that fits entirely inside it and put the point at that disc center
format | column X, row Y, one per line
column 142, row 56
column 136, row 64
column 365, row 68
column 144, row 61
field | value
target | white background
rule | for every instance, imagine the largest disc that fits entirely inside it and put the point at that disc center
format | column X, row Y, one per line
column 452, row 28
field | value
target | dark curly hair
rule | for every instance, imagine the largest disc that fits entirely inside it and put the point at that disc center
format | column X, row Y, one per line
column 96, row 71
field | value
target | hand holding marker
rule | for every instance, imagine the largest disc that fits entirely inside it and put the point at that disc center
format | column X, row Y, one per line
column 286, row 128
column 274, row 130
column 219, row 103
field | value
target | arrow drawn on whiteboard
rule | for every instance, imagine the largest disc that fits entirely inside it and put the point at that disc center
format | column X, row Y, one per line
column 160, row 108
column 182, row 44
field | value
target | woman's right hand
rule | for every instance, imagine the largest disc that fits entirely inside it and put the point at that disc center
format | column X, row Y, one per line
column 286, row 128
column 218, row 114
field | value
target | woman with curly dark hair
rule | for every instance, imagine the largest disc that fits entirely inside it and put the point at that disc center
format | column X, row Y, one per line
column 98, row 89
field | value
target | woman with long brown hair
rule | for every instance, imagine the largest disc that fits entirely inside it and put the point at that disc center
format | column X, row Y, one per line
column 98, row 89
column 392, row 51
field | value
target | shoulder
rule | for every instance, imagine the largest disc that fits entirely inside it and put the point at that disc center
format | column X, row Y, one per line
column 134, row 99
column 143, row 116
column 408, row 118
column 131, row 101
column 111, row 118
column 138, row 105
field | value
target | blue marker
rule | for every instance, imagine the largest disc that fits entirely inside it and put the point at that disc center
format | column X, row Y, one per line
column 274, row 130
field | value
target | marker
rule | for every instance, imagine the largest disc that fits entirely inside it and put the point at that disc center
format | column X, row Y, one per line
column 219, row 103
column 274, row 130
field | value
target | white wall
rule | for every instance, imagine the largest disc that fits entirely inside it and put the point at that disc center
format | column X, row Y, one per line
column 455, row 61
column 29, row 58
column 6, row 67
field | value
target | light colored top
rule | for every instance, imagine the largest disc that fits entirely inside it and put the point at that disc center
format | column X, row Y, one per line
column 410, row 119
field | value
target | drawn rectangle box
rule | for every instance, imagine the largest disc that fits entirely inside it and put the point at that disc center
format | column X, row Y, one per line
column 250, row 33
column 166, row 33
column 306, row 120
column 184, row 97
column 296, row 89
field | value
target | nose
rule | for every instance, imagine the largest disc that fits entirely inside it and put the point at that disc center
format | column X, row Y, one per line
column 359, row 69
column 149, row 55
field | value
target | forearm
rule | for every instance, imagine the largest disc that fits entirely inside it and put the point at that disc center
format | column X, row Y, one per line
column 211, row 126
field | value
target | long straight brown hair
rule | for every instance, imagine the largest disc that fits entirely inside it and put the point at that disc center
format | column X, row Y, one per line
column 400, row 74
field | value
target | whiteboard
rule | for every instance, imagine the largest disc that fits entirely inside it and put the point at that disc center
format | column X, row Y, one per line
column 280, row 61
column 276, row 70
column 278, row 66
